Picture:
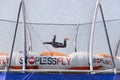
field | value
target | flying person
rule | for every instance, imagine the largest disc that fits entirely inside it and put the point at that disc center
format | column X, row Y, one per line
column 57, row 44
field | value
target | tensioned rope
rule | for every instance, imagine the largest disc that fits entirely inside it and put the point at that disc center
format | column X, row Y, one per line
column 11, row 21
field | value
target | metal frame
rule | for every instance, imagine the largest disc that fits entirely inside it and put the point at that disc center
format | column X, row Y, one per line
column 25, row 44
column 92, row 35
column 60, row 71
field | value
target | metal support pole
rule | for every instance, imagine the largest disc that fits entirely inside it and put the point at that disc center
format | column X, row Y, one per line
column 30, row 40
column 92, row 35
column 117, row 48
column 109, row 45
column 76, row 34
column 9, row 63
column 25, row 45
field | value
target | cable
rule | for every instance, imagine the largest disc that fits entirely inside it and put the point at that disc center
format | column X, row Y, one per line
column 39, row 38
column 11, row 21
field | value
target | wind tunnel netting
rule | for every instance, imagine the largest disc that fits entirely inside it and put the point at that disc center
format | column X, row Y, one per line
column 61, row 19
